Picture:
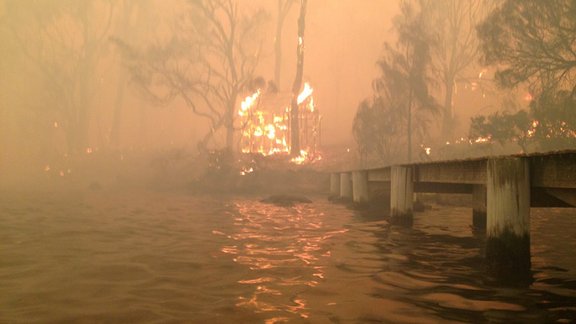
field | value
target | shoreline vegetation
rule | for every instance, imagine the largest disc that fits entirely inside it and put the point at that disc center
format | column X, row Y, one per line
column 174, row 170
column 275, row 179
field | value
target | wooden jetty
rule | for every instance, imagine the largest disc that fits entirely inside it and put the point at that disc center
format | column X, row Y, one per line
column 503, row 189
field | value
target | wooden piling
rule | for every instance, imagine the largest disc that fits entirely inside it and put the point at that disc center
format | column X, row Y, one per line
column 508, row 221
column 335, row 185
column 345, row 185
column 401, row 195
column 479, row 207
column 360, row 187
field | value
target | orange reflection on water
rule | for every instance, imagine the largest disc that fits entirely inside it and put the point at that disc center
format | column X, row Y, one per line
column 287, row 249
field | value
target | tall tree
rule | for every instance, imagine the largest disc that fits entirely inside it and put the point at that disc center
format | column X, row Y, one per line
column 455, row 50
column 402, row 107
column 294, row 111
column 407, row 67
column 208, row 63
column 64, row 42
column 532, row 41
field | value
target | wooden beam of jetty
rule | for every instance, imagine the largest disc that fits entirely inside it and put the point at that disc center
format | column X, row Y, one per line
column 503, row 190
column 552, row 175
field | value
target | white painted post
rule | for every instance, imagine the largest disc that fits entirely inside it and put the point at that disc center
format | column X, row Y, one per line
column 401, row 194
column 479, row 207
column 508, row 221
column 335, row 184
column 345, row 185
column 360, row 186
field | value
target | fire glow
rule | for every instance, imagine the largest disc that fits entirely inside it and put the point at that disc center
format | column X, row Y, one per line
column 306, row 92
column 265, row 124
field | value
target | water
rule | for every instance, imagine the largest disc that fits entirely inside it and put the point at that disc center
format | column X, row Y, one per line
column 171, row 257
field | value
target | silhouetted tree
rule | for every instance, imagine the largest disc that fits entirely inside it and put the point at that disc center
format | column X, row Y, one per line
column 376, row 130
column 555, row 120
column 402, row 107
column 208, row 63
column 502, row 128
column 294, row 111
column 406, row 72
column 64, row 42
column 550, row 124
column 454, row 50
column 532, row 41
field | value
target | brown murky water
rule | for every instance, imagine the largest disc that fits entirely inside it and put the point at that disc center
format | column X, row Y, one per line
column 150, row 257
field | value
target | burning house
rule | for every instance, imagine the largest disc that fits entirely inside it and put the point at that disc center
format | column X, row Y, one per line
column 264, row 119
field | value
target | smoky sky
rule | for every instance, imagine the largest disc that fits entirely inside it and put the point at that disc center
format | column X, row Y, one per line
column 343, row 41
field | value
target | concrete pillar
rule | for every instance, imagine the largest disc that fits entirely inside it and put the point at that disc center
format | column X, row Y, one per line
column 401, row 194
column 360, row 186
column 345, row 185
column 335, row 184
column 479, row 207
column 508, row 221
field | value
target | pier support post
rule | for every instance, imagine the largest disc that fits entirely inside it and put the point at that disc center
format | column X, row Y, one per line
column 508, row 221
column 401, row 195
column 479, row 207
column 335, row 184
column 360, row 187
column 345, row 185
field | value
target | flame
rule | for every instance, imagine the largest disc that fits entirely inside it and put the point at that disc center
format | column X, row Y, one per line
column 245, row 171
column 311, row 105
column 532, row 130
column 248, row 102
column 306, row 92
column 258, row 132
column 270, row 131
column 482, row 140
column 300, row 158
column 266, row 129
column 427, row 150
column 481, row 74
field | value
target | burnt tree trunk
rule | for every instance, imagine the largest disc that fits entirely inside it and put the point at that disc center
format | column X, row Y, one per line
column 294, row 122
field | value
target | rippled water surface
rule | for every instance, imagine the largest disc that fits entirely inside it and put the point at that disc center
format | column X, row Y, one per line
column 171, row 257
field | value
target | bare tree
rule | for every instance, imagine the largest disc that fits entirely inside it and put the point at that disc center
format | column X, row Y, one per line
column 64, row 42
column 455, row 50
column 208, row 62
